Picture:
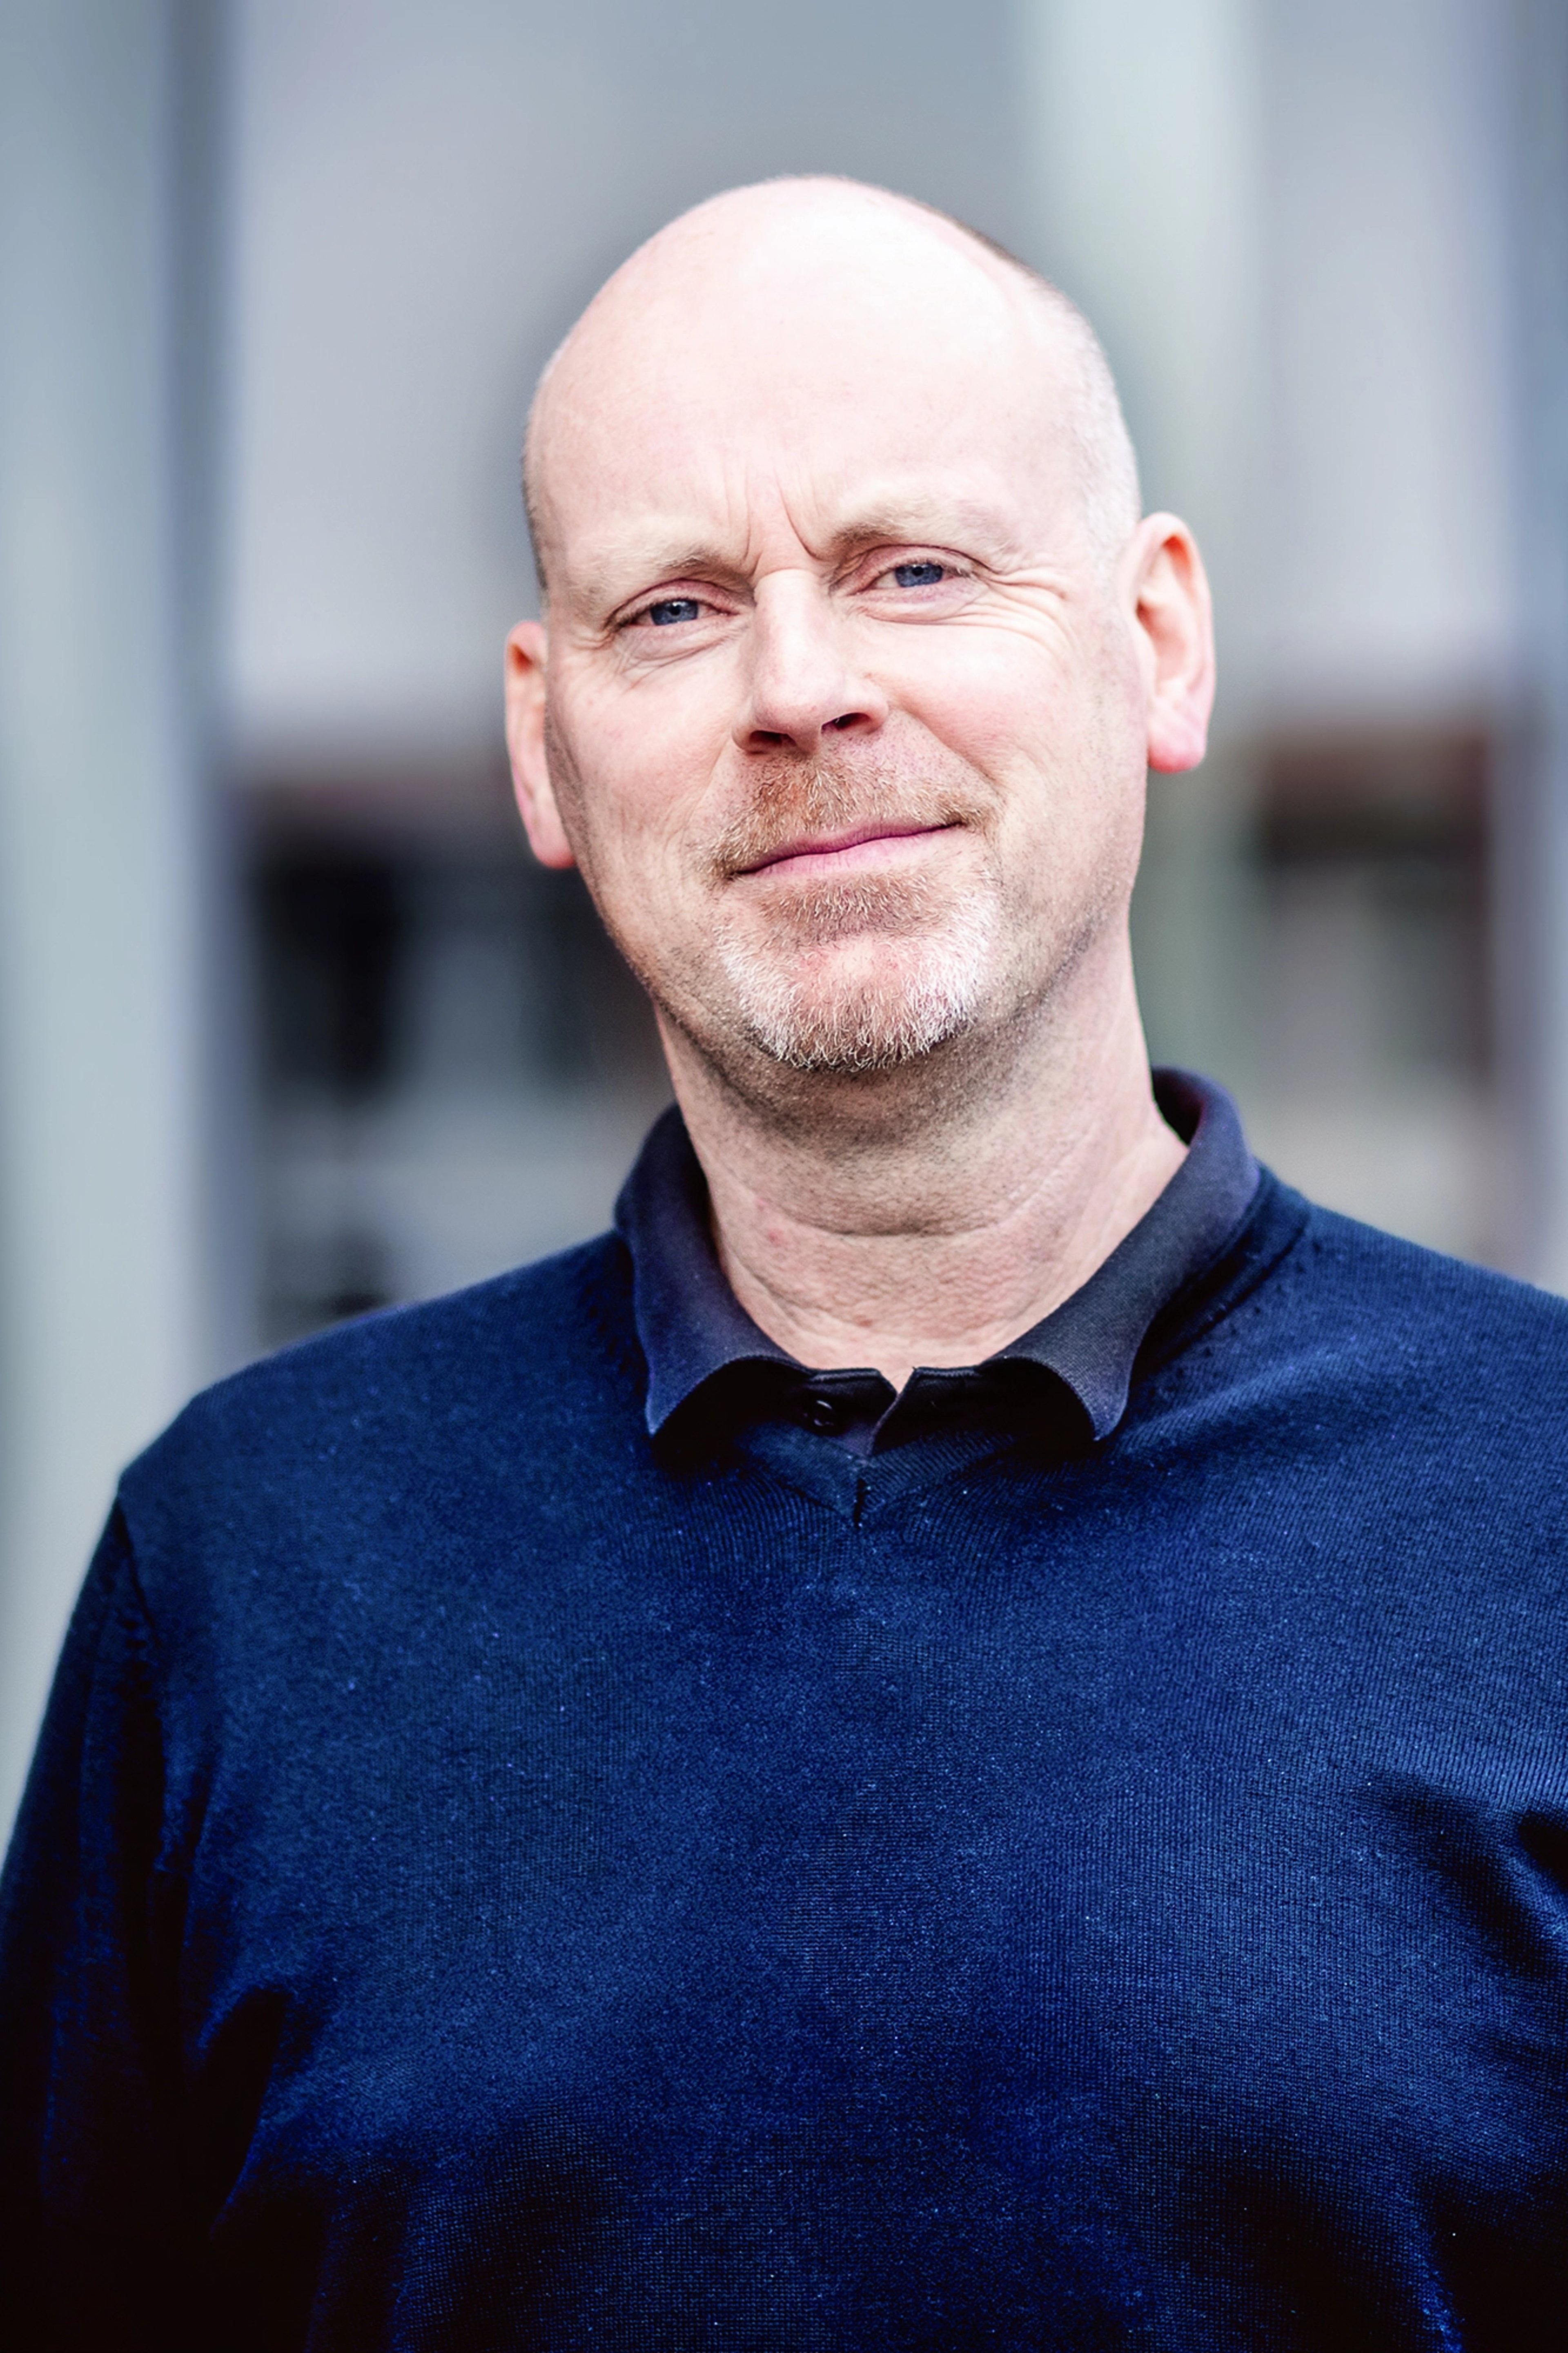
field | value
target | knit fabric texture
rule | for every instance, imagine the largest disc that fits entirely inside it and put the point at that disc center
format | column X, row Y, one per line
column 491, row 1881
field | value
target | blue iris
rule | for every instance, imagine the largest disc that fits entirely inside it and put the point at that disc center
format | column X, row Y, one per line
column 918, row 576
column 670, row 609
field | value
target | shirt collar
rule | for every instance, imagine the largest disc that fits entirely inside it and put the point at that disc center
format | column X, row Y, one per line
column 693, row 1329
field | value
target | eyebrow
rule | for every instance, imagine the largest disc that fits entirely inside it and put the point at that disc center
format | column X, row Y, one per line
column 605, row 584
column 916, row 518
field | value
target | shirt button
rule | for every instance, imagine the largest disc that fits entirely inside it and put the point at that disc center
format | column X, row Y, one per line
column 823, row 1415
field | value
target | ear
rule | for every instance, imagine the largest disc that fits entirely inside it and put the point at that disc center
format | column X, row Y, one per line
column 1174, row 623
column 525, row 654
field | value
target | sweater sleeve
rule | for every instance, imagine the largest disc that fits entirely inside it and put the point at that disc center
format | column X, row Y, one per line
column 92, row 2247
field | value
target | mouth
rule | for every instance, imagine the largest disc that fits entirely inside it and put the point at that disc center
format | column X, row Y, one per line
column 846, row 851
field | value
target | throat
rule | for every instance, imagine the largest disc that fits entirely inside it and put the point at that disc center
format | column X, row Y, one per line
column 937, row 1278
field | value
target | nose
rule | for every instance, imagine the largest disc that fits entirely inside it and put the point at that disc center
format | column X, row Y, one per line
column 801, row 684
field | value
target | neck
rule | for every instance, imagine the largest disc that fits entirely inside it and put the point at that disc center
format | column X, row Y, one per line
column 928, row 1216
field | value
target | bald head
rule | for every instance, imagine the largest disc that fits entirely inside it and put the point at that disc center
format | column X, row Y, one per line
column 832, row 277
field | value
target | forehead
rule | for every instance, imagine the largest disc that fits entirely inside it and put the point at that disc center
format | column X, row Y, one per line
column 729, row 394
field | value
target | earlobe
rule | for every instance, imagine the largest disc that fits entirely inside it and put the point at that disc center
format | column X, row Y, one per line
column 1175, row 744
column 526, row 649
column 1175, row 626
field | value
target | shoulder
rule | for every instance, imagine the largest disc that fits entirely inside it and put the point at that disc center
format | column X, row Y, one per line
column 1342, row 1309
column 1358, row 1373
column 1365, row 1277
column 519, row 1359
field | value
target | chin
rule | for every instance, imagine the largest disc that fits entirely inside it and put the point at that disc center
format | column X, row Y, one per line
column 864, row 1005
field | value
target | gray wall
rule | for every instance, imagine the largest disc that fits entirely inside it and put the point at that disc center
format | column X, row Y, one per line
column 108, row 1291
column 1289, row 223
column 425, row 197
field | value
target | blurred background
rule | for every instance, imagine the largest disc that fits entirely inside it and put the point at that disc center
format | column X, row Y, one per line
column 290, row 1027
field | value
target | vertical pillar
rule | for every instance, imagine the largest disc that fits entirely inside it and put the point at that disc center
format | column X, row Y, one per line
column 1532, row 865
column 1142, row 132
column 103, row 1230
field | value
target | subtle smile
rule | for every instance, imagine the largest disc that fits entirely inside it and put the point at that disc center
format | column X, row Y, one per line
column 836, row 853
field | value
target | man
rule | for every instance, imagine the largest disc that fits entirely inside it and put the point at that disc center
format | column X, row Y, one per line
column 958, row 1736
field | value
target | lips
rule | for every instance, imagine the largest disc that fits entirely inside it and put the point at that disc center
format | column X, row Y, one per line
column 837, row 848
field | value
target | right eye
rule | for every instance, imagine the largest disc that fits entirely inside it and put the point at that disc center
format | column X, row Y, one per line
column 669, row 610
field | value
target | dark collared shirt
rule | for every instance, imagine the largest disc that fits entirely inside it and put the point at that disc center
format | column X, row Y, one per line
column 711, row 1370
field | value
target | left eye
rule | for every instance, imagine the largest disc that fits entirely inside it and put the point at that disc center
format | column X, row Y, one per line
column 670, row 609
column 918, row 575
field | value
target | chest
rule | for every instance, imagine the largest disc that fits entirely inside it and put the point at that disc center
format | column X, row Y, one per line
column 1094, row 1828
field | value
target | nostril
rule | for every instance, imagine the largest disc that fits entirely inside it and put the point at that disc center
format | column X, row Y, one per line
column 847, row 719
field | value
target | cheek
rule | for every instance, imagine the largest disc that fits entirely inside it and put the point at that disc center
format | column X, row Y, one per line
column 1056, row 728
column 641, row 764
column 1006, row 698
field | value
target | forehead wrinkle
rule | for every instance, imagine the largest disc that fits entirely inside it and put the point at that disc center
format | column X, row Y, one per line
column 898, row 511
column 653, row 550
column 916, row 518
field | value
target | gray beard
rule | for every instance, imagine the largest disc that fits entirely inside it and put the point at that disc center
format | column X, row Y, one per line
column 931, row 987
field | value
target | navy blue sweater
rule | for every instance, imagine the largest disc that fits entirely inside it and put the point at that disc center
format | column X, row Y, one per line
column 493, row 1881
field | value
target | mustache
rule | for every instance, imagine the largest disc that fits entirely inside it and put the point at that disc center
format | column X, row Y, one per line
column 789, row 801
